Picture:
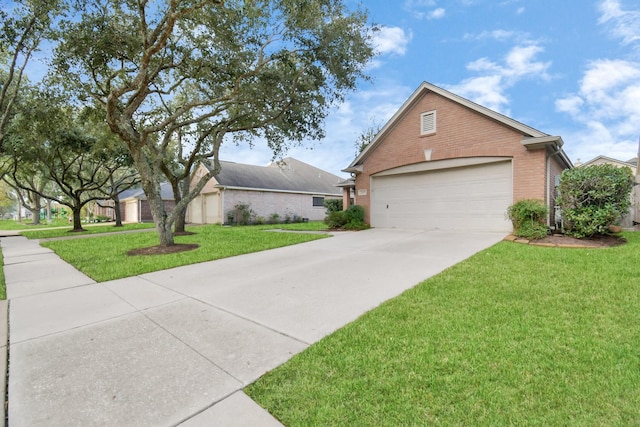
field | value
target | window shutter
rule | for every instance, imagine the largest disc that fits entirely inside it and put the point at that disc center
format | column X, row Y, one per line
column 428, row 122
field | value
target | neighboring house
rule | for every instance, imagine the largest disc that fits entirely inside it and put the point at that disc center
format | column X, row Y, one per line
column 286, row 188
column 134, row 206
column 444, row 162
column 628, row 221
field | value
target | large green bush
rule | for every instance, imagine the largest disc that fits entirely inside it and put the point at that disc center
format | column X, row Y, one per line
column 529, row 218
column 594, row 197
column 351, row 219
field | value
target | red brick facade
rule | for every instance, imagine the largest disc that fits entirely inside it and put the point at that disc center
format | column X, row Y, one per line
column 461, row 132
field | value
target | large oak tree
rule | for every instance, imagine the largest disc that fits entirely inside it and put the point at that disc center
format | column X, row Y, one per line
column 202, row 72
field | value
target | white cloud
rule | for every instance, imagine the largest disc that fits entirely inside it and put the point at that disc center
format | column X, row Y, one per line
column 607, row 107
column 436, row 14
column 487, row 91
column 391, row 40
column 623, row 23
column 489, row 88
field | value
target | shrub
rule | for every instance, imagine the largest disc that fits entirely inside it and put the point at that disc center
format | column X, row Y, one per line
column 528, row 218
column 333, row 205
column 335, row 219
column 594, row 197
column 351, row 219
column 242, row 214
column 274, row 218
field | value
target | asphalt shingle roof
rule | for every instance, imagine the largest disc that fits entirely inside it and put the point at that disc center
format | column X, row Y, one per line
column 287, row 175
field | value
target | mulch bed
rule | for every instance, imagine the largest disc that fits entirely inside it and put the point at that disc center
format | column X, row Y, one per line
column 162, row 250
column 597, row 241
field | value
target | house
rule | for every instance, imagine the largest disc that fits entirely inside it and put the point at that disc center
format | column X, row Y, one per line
column 286, row 188
column 633, row 217
column 134, row 206
column 444, row 162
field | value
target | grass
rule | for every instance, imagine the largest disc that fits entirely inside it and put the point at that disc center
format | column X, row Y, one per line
column 105, row 257
column 9, row 224
column 93, row 229
column 515, row 335
column 298, row 226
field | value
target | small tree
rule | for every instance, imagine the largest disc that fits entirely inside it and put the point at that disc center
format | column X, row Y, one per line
column 594, row 197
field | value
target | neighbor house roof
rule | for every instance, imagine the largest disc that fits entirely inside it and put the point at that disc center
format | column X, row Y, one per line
column 288, row 175
column 600, row 159
column 532, row 138
column 166, row 192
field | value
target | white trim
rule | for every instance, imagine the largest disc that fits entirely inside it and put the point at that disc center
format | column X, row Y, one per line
column 441, row 164
column 271, row 190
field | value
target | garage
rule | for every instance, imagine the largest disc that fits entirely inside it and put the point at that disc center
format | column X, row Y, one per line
column 444, row 195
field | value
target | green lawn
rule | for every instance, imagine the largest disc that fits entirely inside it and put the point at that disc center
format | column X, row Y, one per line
column 515, row 335
column 89, row 229
column 105, row 257
column 9, row 224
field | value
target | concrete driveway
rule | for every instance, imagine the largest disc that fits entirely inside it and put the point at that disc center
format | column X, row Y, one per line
column 176, row 347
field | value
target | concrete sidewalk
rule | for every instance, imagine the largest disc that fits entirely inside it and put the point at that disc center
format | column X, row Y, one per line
column 177, row 347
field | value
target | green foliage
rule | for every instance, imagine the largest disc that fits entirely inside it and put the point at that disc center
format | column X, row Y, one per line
column 211, row 71
column 332, row 205
column 335, row 219
column 594, row 197
column 351, row 219
column 528, row 217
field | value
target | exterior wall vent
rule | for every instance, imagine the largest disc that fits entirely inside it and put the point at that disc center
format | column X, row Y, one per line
column 428, row 122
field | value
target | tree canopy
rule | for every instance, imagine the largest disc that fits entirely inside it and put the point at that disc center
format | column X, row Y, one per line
column 201, row 72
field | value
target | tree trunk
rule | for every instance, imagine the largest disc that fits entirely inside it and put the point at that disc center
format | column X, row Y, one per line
column 35, row 214
column 77, row 220
column 181, row 220
column 116, row 207
column 159, row 213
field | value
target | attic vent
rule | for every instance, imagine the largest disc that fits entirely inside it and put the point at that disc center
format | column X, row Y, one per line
column 428, row 122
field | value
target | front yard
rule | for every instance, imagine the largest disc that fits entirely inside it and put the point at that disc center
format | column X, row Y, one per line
column 515, row 335
column 105, row 257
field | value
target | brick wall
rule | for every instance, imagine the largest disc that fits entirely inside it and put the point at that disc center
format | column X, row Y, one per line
column 265, row 203
column 460, row 132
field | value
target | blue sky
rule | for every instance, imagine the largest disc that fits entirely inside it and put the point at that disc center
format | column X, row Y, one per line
column 568, row 68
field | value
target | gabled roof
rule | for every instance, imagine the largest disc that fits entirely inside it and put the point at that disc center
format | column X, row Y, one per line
column 631, row 163
column 532, row 138
column 288, row 175
column 166, row 192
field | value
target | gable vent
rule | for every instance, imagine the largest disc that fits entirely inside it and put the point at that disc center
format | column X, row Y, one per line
column 428, row 122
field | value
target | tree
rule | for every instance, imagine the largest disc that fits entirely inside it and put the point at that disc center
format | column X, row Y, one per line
column 24, row 25
column 594, row 197
column 209, row 71
column 365, row 138
column 71, row 152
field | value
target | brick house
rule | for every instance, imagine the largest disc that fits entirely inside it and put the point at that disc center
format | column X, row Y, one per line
column 286, row 188
column 444, row 162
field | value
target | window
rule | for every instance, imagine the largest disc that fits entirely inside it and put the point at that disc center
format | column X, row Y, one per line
column 318, row 201
column 428, row 122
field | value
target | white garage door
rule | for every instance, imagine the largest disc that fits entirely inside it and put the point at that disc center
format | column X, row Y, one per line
column 211, row 207
column 195, row 210
column 131, row 211
column 462, row 198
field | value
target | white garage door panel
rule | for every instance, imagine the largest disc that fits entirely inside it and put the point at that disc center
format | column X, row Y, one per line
column 195, row 208
column 467, row 198
column 211, row 206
